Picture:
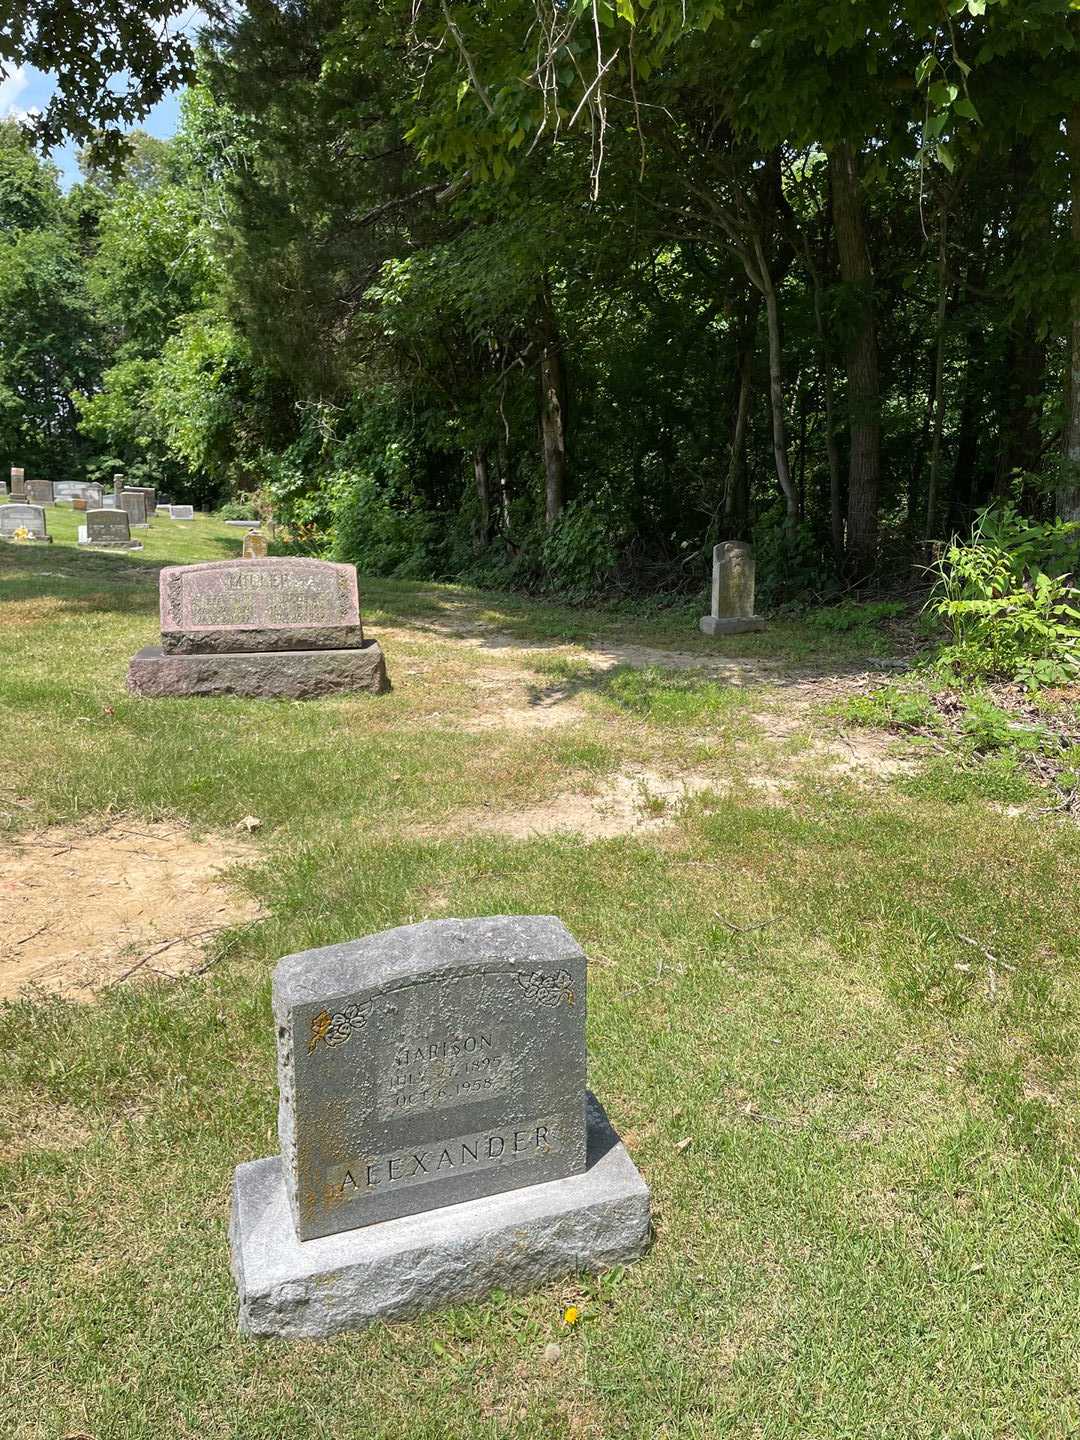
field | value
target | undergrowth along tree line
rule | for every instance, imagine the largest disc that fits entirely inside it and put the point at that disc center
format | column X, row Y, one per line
column 558, row 295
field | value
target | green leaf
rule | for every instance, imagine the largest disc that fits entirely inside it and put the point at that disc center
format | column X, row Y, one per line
column 925, row 68
column 965, row 108
column 945, row 156
column 625, row 10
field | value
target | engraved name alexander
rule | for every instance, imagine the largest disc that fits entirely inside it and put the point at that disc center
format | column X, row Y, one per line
column 415, row 1165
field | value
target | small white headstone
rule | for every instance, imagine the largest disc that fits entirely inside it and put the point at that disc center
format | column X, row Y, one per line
column 732, row 591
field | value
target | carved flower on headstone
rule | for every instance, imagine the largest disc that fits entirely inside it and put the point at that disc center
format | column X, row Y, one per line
column 337, row 1028
column 346, row 1022
column 547, row 989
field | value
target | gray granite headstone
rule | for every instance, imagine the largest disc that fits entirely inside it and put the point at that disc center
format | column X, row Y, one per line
column 255, row 546
column 732, row 591
column 429, row 1065
column 18, row 482
column 39, row 492
column 134, row 503
column 65, row 491
column 17, row 518
column 182, row 512
column 437, row 1138
column 108, row 528
column 151, row 496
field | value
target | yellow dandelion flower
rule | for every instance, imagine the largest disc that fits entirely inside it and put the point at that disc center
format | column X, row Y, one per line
column 571, row 1315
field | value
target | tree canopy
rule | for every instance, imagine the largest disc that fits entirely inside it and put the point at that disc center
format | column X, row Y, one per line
column 561, row 294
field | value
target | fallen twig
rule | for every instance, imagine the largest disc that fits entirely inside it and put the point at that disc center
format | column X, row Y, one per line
column 745, row 929
column 160, row 949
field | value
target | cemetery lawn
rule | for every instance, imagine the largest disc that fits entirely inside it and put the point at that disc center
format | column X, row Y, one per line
column 833, row 1011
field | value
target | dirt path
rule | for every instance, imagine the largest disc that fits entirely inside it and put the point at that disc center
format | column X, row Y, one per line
column 81, row 910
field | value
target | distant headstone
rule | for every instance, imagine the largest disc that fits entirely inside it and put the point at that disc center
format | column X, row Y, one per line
column 164, row 509
column 244, row 524
column 732, row 591
column 78, row 503
column 255, row 546
column 182, row 512
column 66, row 491
column 133, row 502
column 39, row 492
column 108, row 529
column 18, row 482
column 264, row 628
column 22, row 522
column 436, row 1137
column 109, row 502
column 118, row 485
column 3, row 487
column 151, row 497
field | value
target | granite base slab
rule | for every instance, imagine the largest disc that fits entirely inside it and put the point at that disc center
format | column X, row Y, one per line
column 110, row 544
column 282, row 674
column 731, row 624
column 516, row 1241
column 244, row 639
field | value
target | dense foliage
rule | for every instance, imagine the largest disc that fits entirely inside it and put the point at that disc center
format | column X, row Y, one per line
column 558, row 295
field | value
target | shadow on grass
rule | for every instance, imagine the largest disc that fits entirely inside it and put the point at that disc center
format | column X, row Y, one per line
column 90, row 581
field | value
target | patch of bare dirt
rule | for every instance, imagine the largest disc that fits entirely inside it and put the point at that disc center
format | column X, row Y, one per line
column 80, row 911
column 635, row 801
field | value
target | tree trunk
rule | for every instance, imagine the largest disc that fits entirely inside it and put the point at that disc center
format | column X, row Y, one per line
column 832, row 450
column 483, row 493
column 552, row 411
column 503, row 454
column 1068, row 497
column 863, row 398
column 735, row 497
column 1019, row 438
column 776, row 384
column 937, row 398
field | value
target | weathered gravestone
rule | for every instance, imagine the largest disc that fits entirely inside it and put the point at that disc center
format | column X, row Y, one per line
column 244, row 524
column 3, row 487
column 149, row 492
column 133, row 502
column 18, row 482
column 732, row 591
column 65, row 492
column 274, row 627
column 24, row 523
column 78, row 503
column 255, row 546
column 39, row 492
column 182, row 512
column 107, row 530
column 437, row 1141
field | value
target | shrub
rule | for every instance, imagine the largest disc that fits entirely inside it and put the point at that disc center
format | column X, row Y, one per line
column 792, row 565
column 1009, row 599
column 377, row 536
column 579, row 552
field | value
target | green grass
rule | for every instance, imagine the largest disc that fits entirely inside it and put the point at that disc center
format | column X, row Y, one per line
column 859, row 1004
